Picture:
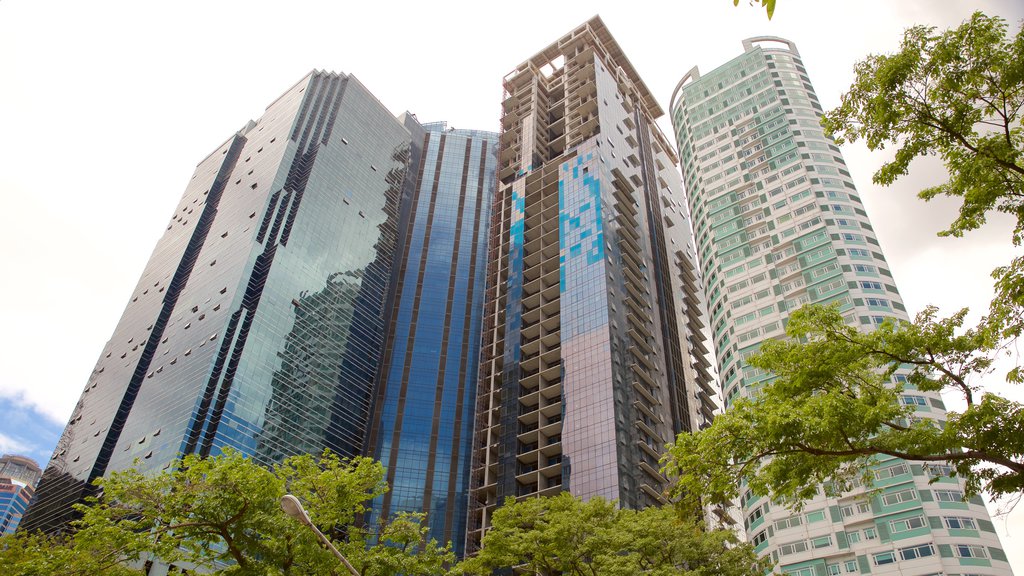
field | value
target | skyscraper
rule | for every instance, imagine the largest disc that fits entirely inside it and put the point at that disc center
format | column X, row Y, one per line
column 18, row 478
column 591, row 303
column 258, row 321
column 778, row 224
column 422, row 425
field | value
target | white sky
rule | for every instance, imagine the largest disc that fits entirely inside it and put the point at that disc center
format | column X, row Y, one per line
column 106, row 108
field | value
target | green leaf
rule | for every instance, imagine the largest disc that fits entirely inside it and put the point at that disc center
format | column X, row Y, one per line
column 223, row 514
column 564, row 535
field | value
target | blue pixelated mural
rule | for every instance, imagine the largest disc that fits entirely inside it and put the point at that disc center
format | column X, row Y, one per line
column 579, row 215
column 513, row 312
column 513, row 327
column 588, row 430
column 580, row 237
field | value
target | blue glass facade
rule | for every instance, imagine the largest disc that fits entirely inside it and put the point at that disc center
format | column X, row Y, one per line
column 18, row 477
column 258, row 320
column 14, row 499
column 423, row 420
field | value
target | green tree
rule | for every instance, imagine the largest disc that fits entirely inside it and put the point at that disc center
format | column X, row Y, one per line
column 958, row 95
column 40, row 555
column 563, row 535
column 769, row 5
column 833, row 409
column 223, row 514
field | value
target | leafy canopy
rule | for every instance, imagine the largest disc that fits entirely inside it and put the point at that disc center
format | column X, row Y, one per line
column 833, row 409
column 769, row 5
column 957, row 94
column 223, row 514
column 563, row 535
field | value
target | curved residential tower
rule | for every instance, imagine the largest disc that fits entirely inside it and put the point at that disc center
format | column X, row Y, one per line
column 778, row 224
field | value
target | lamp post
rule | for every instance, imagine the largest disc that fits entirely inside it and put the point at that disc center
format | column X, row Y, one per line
column 292, row 507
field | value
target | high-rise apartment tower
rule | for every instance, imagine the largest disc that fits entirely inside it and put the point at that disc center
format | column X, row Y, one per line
column 592, row 303
column 258, row 321
column 778, row 224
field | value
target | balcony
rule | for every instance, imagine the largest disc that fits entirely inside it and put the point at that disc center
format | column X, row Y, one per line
column 646, row 393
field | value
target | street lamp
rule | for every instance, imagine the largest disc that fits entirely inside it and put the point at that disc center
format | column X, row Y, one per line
column 292, row 507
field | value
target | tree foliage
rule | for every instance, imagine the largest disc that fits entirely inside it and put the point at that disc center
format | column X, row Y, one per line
column 563, row 535
column 40, row 555
column 223, row 514
column 769, row 5
column 834, row 407
column 957, row 94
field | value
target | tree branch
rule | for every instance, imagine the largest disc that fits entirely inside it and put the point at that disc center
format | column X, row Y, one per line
column 957, row 380
column 940, row 125
column 949, row 457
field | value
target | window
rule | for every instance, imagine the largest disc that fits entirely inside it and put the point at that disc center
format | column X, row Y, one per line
column 788, row 522
column 850, row 566
column 833, row 569
column 969, row 551
column 747, row 496
column 913, row 400
column 793, row 548
column 914, row 552
column 884, row 558
column 759, row 538
column 906, row 524
column 898, row 497
column 891, row 471
column 825, row 269
column 949, row 495
column 938, row 470
column 871, row 285
column 853, row 537
column 816, row 516
column 959, row 523
column 879, row 302
column 755, row 515
column 821, row 542
column 870, row 534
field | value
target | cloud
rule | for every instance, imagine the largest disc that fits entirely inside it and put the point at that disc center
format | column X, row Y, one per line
column 26, row 430
column 10, row 445
column 42, row 402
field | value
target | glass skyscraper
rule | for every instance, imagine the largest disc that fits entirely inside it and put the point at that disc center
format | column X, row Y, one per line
column 423, row 418
column 592, row 315
column 259, row 319
column 779, row 224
